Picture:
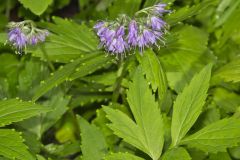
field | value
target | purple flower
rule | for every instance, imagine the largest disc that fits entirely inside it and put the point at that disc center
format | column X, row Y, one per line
column 117, row 43
column 113, row 41
column 141, row 42
column 120, row 31
column 33, row 40
column 17, row 38
column 160, row 8
column 100, row 28
column 157, row 23
column 42, row 36
column 99, row 25
column 133, row 33
column 149, row 37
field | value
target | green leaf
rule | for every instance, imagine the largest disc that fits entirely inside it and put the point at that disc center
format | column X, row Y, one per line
column 93, row 143
column 91, row 65
column 88, row 98
column 122, row 156
column 231, row 7
column 176, row 154
column 107, row 78
column 216, row 137
column 13, row 110
column 36, row 6
column 183, row 57
column 147, row 134
column 39, row 124
column 153, row 69
column 186, row 12
column 188, row 105
column 12, row 145
column 235, row 152
column 67, row 41
column 229, row 72
column 227, row 101
column 128, row 7
column 229, row 22
column 76, row 69
column 220, row 155
column 3, row 38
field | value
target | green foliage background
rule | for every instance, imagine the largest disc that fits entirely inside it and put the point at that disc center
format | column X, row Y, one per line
column 66, row 100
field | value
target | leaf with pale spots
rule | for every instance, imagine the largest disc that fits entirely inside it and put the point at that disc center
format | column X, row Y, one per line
column 14, row 110
column 12, row 145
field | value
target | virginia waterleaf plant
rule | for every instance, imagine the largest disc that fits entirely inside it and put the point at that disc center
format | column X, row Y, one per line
column 76, row 90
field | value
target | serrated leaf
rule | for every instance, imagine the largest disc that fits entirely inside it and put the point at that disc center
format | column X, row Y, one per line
column 36, row 6
column 124, row 127
column 122, row 156
column 13, row 110
column 91, row 65
column 188, row 105
column 107, row 78
column 93, row 142
column 88, row 98
column 12, row 145
column 67, row 41
column 153, row 69
column 229, row 72
column 78, row 68
column 147, row 134
column 216, row 137
column 187, row 12
column 176, row 154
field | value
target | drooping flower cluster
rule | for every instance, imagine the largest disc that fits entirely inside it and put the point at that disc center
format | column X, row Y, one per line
column 25, row 33
column 125, row 33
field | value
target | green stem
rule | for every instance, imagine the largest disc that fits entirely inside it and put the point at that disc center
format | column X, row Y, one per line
column 117, row 86
column 145, row 10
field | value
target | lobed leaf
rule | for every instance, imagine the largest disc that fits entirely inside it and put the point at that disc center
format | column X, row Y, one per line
column 147, row 134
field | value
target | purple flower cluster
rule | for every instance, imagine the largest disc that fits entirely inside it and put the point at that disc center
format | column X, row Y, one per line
column 141, row 33
column 20, row 35
column 17, row 38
